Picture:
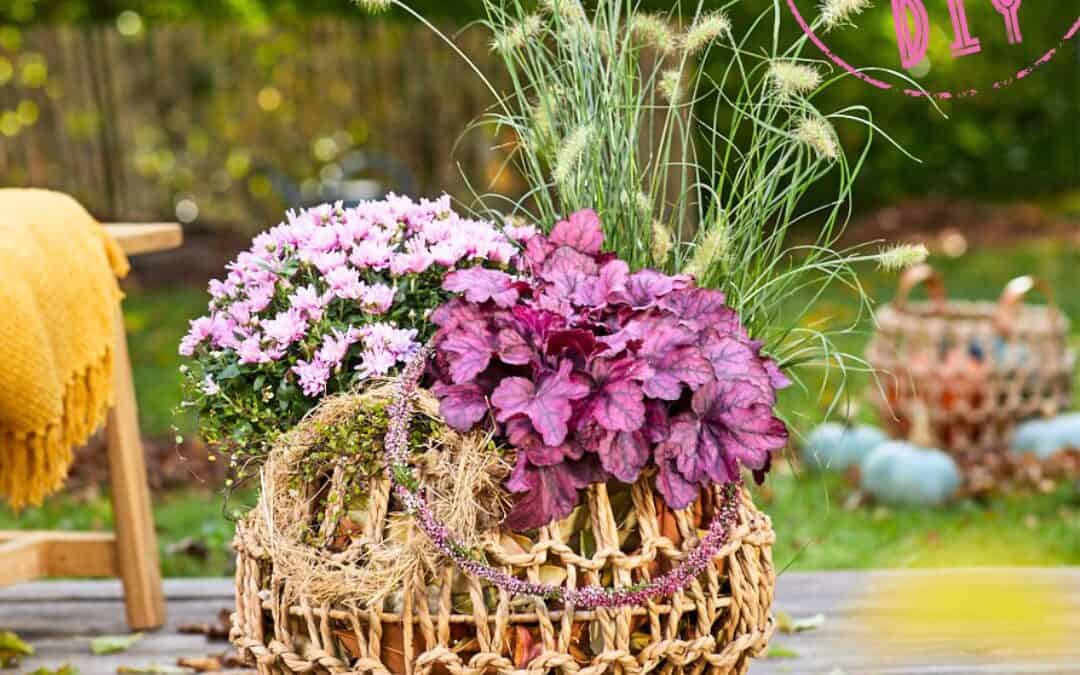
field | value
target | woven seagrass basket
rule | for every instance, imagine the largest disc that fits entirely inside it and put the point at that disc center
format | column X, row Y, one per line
column 718, row 624
column 977, row 369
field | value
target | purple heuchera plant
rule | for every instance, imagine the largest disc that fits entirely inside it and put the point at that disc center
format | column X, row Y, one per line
column 595, row 373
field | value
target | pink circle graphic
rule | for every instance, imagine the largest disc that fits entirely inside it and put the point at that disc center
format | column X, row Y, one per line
column 869, row 79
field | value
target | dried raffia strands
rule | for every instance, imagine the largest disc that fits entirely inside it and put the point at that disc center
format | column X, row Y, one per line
column 304, row 613
column 464, row 475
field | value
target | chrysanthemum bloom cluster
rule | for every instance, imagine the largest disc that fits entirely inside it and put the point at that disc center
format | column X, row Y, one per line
column 594, row 373
column 328, row 298
column 407, row 490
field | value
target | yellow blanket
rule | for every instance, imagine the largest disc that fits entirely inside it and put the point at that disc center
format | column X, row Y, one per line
column 58, row 299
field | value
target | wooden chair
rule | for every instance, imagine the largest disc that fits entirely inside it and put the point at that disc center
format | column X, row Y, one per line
column 131, row 553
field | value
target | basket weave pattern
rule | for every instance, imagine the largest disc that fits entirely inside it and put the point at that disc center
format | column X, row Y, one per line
column 976, row 369
column 720, row 622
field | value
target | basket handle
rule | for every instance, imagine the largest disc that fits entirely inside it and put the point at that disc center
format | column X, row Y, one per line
column 912, row 278
column 1013, row 297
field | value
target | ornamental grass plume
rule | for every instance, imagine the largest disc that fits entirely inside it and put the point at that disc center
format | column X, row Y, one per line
column 712, row 250
column 794, row 79
column 663, row 241
column 518, row 34
column 671, row 87
column 570, row 154
column 705, row 31
column 817, row 134
column 835, row 13
column 654, row 31
column 374, row 6
column 570, row 10
column 902, row 256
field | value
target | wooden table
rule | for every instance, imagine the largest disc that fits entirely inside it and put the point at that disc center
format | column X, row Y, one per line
column 57, row 617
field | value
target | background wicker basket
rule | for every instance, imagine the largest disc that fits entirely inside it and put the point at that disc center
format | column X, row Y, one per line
column 720, row 622
column 975, row 368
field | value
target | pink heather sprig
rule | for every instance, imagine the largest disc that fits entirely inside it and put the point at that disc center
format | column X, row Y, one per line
column 406, row 488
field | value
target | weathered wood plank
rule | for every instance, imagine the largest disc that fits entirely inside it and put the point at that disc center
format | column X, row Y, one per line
column 136, row 238
column 57, row 617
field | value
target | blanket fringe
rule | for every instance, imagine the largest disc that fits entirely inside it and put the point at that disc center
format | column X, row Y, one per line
column 35, row 465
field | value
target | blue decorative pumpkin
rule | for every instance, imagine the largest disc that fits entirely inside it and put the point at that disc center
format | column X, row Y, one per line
column 1046, row 437
column 835, row 447
column 902, row 473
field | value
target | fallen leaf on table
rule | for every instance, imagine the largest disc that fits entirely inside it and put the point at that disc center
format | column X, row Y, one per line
column 786, row 624
column 781, row 652
column 152, row 669
column 203, row 664
column 12, row 648
column 66, row 669
column 113, row 644
column 213, row 631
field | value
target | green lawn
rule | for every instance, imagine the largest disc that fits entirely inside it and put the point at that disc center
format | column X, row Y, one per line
column 814, row 529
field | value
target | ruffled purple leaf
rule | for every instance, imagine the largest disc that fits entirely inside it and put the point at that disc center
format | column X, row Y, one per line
column 480, row 285
column 678, row 493
column 617, row 402
column 524, row 438
column 644, row 289
column 624, row 454
column 514, row 349
column 457, row 312
column 609, row 282
column 548, row 406
column 657, row 421
column 468, row 351
column 728, row 425
column 581, row 231
column 575, row 344
column 670, row 372
column 700, row 309
column 461, row 405
column 734, row 359
column 548, row 493
column 776, row 376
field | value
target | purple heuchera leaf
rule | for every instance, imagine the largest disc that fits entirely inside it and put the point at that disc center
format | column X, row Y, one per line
column 734, row 359
column 728, row 424
column 624, row 454
column 610, row 281
column 594, row 373
column 581, row 231
column 469, row 350
column 700, row 308
column 617, row 402
column 548, row 493
column 461, row 405
column 547, row 406
column 568, row 271
column 645, row 288
column 480, row 285
column 673, row 357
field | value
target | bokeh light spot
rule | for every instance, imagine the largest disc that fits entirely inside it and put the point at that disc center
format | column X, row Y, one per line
column 187, row 211
column 269, row 99
column 129, row 24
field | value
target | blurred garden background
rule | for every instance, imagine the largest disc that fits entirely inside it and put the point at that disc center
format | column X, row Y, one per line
column 221, row 115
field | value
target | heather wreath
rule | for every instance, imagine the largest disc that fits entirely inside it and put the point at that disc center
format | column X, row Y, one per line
column 327, row 299
column 594, row 373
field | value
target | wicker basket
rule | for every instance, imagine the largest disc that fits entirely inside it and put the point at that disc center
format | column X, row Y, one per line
column 975, row 368
column 719, row 623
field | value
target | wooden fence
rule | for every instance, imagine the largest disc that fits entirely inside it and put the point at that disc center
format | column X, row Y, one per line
column 134, row 125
